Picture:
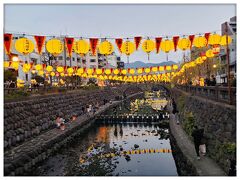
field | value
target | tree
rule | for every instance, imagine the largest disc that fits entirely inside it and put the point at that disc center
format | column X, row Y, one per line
column 10, row 75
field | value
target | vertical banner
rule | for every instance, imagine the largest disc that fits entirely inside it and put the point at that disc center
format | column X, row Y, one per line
column 7, row 43
column 191, row 38
column 206, row 35
column 158, row 41
column 69, row 45
column 137, row 41
column 39, row 42
column 93, row 45
column 119, row 44
column 175, row 42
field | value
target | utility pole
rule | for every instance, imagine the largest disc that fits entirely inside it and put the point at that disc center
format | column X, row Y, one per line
column 228, row 65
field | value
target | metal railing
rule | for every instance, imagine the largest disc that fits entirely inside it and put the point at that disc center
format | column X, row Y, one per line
column 216, row 93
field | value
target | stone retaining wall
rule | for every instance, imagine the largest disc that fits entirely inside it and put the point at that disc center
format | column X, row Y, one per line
column 30, row 135
column 218, row 121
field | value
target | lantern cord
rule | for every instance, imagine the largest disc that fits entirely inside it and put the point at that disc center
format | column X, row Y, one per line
column 23, row 34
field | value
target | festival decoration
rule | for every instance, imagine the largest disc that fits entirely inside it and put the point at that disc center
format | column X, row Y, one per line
column 200, row 42
column 158, row 41
column 167, row 45
column 148, row 46
column 24, row 46
column 119, row 44
column 40, row 40
column 214, row 39
column 8, row 43
column 106, row 48
column 137, row 41
column 128, row 48
column 69, row 45
column 26, row 68
column 54, row 46
column 191, row 39
column 93, row 45
column 81, row 47
column 209, row 53
column 206, row 35
column 175, row 42
column 184, row 44
column 225, row 40
column 38, row 67
column 49, row 68
column 60, row 69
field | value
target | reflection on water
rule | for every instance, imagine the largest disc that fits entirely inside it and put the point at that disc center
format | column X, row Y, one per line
column 102, row 151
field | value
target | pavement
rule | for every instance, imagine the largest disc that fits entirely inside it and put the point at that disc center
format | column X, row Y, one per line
column 205, row 166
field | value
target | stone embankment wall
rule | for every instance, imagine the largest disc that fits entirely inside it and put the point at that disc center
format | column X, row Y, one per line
column 30, row 135
column 218, row 121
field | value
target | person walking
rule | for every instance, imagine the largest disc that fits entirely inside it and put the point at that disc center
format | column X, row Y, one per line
column 197, row 137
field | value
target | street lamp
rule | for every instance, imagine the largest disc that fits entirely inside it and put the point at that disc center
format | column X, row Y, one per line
column 15, row 59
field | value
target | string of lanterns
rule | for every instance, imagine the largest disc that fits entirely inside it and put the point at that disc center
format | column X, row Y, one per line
column 81, row 46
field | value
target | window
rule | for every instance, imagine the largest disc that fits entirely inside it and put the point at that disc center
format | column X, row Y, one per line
column 78, row 59
column 68, row 58
column 73, row 59
column 92, row 60
column 60, row 58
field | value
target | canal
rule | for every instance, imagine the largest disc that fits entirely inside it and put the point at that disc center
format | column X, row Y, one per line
column 119, row 149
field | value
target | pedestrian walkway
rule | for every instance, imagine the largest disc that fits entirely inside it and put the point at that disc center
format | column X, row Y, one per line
column 205, row 166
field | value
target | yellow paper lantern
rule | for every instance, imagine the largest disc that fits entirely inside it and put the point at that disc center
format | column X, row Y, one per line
column 214, row 39
column 62, row 74
column 26, row 68
column 52, row 74
column 167, row 46
column 175, row 67
column 224, row 41
column 147, row 70
column 128, row 48
column 107, row 71
column 200, row 42
column 131, row 71
column 89, row 71
column 209, row 53
column 15, row 65
column 6, row 64
column 184, row 44
column 148, row 46
column 124, row 71
column 116, row 71
column 54, row 46
column 38, row 67
column 80, row 70
column 40, row 73
column 161, row 68
column 140, row 71
column 168, row 68
column 99, row 71
column 49, row 68
column 70, row 70
column 154, row 69
column 24, row 46
column 106, row 48
column 81, row 47
column 60, row 69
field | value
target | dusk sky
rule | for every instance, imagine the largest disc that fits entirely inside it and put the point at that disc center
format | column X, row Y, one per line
column 118, row 21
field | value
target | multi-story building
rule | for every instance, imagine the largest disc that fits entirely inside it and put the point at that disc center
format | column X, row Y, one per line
column 229, row 28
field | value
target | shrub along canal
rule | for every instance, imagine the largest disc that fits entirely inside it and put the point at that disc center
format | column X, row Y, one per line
column 126, row 149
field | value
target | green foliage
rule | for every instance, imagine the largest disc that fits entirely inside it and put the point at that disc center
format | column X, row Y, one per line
column 17, row 94
column 90, row 87
column 10, row 75
column 181, row 103
column 92, row 81
column 229, row 148
column 188, row 123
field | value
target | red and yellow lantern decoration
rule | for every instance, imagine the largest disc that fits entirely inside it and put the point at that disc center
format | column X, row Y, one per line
column 26, row 67
column 128, row 48
column 209, row 53
column 200, row 42
column 148, row 46
column 49, row 68
column 214, row 39
column 81, row 47
column 106, row 48
column 24, row 46
column 38, row 67
column 54, row 46
column 225, row 40
column 184, row 44
column 60, row 69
